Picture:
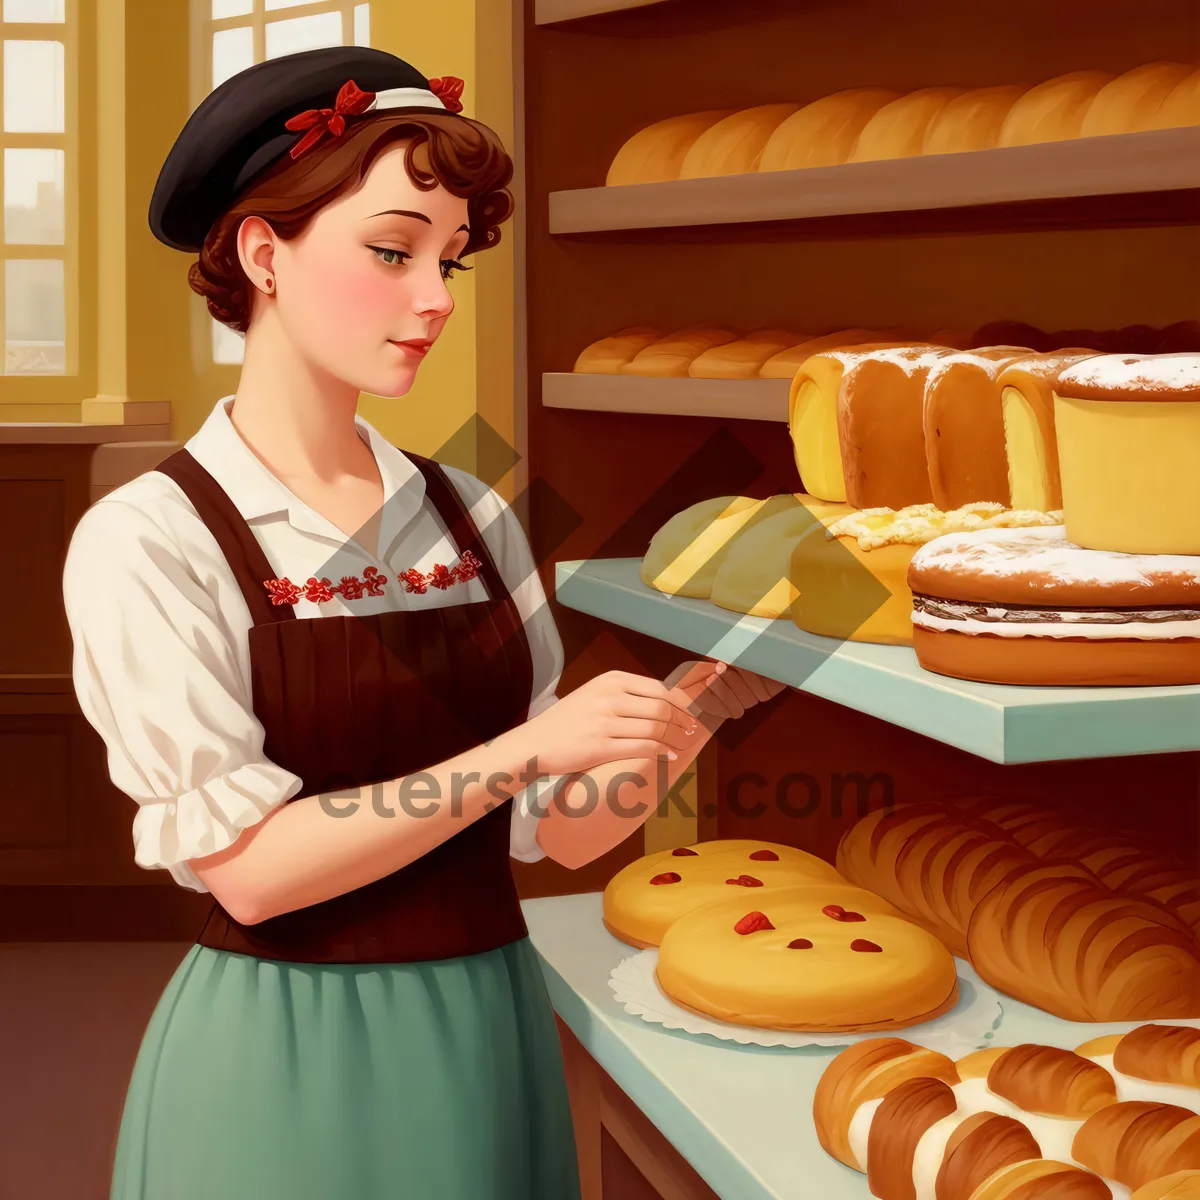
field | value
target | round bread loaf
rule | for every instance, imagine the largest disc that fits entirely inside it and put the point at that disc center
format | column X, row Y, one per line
column 822, row 957
column 644, row 898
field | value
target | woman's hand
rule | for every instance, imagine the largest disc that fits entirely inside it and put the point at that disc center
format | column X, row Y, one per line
column 615, row 716
column 718, row 691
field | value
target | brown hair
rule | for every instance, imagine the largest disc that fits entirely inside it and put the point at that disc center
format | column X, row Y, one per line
column 463, row 156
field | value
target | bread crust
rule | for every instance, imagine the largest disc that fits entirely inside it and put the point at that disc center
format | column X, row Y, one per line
column 1137, row 1142
column 1180, row 1185
column 1133, row 377
column 906, row 1114
column 982, row 1145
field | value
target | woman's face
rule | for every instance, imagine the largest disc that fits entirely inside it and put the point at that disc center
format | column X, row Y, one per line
column 362, row 293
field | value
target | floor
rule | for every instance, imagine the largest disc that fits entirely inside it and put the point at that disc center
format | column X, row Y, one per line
column 71, row 1020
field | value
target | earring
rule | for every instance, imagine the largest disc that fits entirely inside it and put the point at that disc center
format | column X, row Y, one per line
column 270, row 283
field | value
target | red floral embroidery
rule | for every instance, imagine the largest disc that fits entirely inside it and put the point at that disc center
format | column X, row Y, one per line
column 413, row 580
column 283, row 591
column 351, row 587
column 318, row 590
column 468, row 567
column 441, row 577
column 373, row 581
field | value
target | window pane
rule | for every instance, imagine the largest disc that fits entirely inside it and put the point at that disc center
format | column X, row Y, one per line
column 231, row 8
column 33, row 197
column 286, row 3
column 34, row 10
column 228, row 346
column 35, row 317
column 362, row 24
column 34, row 99
column 304, row 33
column 233, row 51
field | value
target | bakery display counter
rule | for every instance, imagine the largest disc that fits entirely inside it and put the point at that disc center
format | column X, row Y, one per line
column 740, row 1115
column 1003, row 724
column 551, row 12
column 745, row 399
column 1152, row 165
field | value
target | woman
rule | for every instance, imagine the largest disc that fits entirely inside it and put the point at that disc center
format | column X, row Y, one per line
column 323, row 668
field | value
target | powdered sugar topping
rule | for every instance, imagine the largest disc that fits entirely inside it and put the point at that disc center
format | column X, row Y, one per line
column 921, row 523
column 1162, row 373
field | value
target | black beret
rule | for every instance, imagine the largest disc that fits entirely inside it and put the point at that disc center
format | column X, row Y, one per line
column 240, row 129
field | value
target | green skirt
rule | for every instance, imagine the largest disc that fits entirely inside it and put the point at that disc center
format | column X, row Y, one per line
column 263, row 1080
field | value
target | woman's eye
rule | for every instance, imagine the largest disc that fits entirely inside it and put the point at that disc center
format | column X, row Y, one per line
column 393, row 258
column 450, row 265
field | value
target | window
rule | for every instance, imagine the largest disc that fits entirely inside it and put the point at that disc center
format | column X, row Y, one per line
column 37, row 135
column 231, row 35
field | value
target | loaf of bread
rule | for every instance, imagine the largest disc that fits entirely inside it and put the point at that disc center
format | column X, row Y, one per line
column 1053, row 111
column 672, row 355
column 1137, row 1142
column 963, row 427
column 785, row 364
column 743, row 359
column 734, row 144
column 1131, row 102
column 930, row 864
column 1181, row 107
column 685, row 554
column 610, row 354
column 1054, row 936
column 898, row 129
column 1181, row 1185
column 881, row 426
column 655, row 154
column 1159, row 1063
column 1030, row 444
column 971, row 121
column 823, row 133
column 813, row 419
column 755, row 577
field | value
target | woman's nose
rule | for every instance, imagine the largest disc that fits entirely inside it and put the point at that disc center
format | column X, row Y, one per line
column 432, row 297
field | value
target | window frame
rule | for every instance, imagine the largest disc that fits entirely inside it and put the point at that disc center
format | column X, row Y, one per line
column 203, row 27
column 65, row 385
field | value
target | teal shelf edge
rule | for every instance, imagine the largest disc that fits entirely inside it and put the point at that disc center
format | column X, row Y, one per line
column 1000, row 723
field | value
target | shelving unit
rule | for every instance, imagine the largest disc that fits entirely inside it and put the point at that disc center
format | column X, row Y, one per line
column 1148, row 165
column 1000, row 724
column 550, row 12
column 1092, row 233
column 742, row 399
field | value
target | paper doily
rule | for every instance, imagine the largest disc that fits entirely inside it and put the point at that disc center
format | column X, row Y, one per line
column 971, row 1023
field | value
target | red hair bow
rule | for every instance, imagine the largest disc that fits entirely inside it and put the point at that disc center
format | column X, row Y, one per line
column 448, row 89
column 350, row 102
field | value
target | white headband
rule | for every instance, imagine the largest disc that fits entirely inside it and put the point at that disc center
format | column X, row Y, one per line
column 406, row 98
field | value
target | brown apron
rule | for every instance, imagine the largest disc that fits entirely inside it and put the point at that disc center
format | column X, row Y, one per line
column 351, row 701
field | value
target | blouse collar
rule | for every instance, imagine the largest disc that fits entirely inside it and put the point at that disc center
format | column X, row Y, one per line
column 256, row 493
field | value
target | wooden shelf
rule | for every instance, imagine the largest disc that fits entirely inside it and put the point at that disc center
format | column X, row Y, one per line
column 550, row 12
column 1003, row 724
column 1160, row 161
column 746, row 399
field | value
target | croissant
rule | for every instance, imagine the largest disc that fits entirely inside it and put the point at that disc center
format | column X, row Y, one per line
column 933, row 865
column 1138, row 1142
column 1055, row 937
column 1160, row 1054
column 1182, row 1185
column 1042, row 1179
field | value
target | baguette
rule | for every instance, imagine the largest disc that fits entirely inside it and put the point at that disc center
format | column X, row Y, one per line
column 1136, row 1142
column 1182, row 1185
column 671, row 356
column 610, row 354
column 1054, row 936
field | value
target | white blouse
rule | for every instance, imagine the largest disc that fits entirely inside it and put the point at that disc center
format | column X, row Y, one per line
column 160, row 627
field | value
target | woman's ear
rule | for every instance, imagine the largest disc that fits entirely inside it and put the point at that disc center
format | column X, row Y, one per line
column 256, row 251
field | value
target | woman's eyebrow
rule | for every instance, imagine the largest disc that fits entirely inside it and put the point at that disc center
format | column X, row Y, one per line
column 401, row 212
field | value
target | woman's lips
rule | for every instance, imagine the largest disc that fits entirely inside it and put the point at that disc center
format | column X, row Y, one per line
column 415, row 346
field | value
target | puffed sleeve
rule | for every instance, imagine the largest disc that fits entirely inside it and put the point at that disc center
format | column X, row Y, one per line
column 514, row 560
column 163, row 677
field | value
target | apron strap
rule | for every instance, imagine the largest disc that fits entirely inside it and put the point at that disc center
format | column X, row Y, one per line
column 237, row 542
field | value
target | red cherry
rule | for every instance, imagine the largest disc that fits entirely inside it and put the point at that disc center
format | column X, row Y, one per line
column 667, row 877
column 800, row 944
column 765, row 856
column 836, row 911
column 865, row 947
column 746, row 881
column 753, row 922
column 684, row 852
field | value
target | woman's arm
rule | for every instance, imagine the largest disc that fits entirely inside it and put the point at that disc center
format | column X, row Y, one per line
column 319, row 847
